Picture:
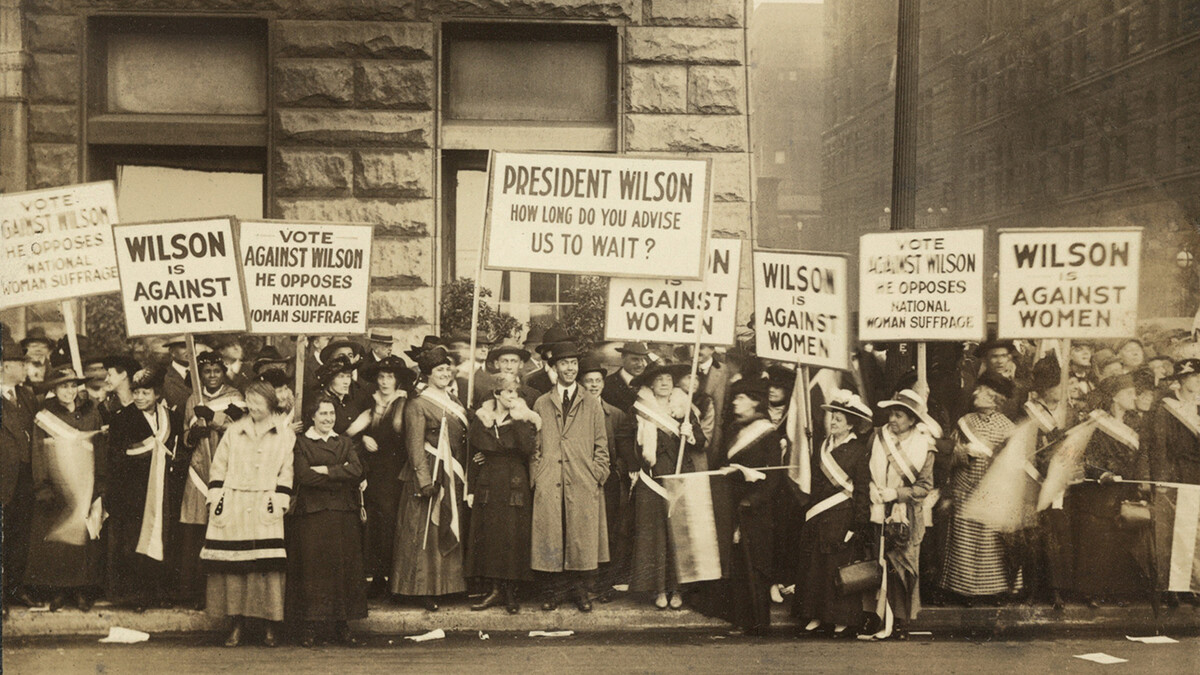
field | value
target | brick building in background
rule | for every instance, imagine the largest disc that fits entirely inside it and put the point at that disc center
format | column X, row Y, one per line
column 1032, row 113
column 378, row 111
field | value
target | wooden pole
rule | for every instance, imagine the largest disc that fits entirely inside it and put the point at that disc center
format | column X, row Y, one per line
column 923, row 368
column 470, row 402
column 695, row 361
column 301, row 353
column 68, row 312
column 193, row 368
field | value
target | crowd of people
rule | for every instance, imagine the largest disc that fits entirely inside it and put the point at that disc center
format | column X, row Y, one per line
column 538, row 472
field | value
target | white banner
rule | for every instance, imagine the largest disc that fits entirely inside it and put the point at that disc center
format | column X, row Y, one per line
column 921, row 286
column 310, row 278
column 800, row 308
column 57, row 244
column 609, row 215
column 1069, row 283
column 657, row 310
column 180, row 277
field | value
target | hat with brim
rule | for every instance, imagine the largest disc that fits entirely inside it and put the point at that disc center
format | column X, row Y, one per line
column 267, row 356
column 432, row 358
column 676, row 370
column 36, row 335
column 63, row 376
column 781, row 377
column 1185, row 368
column 395, row 365
column 557, row 351
column 9, row 349
column 987, row 346
column 176, row 340
column 381, row 336
column 914, row 403
column 497, row 352
column 122, row 362
column 591, row 364
column 850, row 405
column 275, row 378
column 998, row 384
column 333, row 367
column 427, row 343
column 147, row 378
column 1113, row 385
column 1046, row 374
column 553, row 335
column 751, row 387
column 341, row 343
column 635, row 349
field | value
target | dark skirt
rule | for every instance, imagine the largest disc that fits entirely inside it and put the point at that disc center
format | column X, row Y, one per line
column 325, row 567
column 1106, row 554
column 131, row 576
column 653, row 566
column 817, row 596
column 501, row 538
column 58, row 565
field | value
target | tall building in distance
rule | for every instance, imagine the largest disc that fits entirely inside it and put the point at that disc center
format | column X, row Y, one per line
column 1032, row 113
column 787, row 70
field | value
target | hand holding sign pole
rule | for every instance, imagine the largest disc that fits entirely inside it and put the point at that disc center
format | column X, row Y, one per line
column 68, row 311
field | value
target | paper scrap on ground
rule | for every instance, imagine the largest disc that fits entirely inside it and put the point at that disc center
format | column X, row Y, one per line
column 1153, row 640
column 551, row 633
column 1101, row 657
column 621, row 588
column 484, row 636
column 435, row 634
column 125, row 636
column 920, row 632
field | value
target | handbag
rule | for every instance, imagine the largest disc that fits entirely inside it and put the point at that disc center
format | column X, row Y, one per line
column 858, row 577
column 1134, row 514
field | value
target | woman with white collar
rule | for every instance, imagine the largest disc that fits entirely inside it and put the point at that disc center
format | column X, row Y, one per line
column 504, row 432
column 901, row 469
column 836, row 512
column 428, row 556
column 662, row 414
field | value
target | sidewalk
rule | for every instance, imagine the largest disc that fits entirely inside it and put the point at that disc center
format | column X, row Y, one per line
column 623, row 615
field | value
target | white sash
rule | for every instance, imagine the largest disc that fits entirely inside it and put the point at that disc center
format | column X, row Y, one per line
column 446, row 403
column 1117, row 429
column 749, row 435
column 150, row 539
column 979, row 448
column 1038, row 413
column 1187, row 418
column 666, row 423
column 836, row 474
column 897, row 458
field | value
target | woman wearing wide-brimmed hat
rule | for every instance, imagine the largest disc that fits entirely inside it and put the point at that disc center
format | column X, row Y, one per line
column 835, row 517
column 901, row 469
column 384, row 457
column 65, row 557
column 428, row 559
column 662, row 415
column 336, row 378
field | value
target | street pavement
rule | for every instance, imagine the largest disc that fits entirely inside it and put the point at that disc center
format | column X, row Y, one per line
column 693, row 651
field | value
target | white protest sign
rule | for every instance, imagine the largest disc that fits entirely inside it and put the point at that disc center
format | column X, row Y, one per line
column 657, row 310
column 57, row 244
column 309, row 278
column 800, row 308
column 180, row 277
column 609, row 215
column 1069, row 283
column 921, row 285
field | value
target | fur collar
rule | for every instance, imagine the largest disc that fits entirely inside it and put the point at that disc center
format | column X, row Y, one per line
column 678, row 405
column 520, row 411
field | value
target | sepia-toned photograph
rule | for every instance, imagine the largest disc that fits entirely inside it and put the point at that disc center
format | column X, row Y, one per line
column 654, row 336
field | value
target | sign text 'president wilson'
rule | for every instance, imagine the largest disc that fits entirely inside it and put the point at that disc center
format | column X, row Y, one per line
column 597, row 214
column 800, row 308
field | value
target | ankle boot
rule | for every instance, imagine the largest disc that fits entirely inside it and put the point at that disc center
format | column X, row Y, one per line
column 490, row 600
column 235, row 635
column 269, row 639
column 510, row 599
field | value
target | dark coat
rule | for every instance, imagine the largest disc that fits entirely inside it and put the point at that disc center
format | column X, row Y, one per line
column 337, row 491
column 176, row 388
column 1174, row 450
column 617, row 393
column 382, row 467
column 539, row 381
column 129, row 476
column 16, row 439
column 502, row 513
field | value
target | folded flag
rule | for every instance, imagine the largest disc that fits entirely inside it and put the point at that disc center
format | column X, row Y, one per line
column 700, row 524
column 70, row 464
column 1004, row 499
column 1065, row 464
column 1177, row 543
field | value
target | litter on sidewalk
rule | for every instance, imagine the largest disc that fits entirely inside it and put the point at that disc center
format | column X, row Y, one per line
column 551, row 633
column 1101, row 658
column 435, row 634
column 1153, row 640
column 124, row 636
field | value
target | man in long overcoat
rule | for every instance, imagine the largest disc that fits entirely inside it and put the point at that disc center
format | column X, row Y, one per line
column 17, row 409
column 570, row 537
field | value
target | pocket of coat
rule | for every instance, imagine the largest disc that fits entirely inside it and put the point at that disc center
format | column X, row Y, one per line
column 219, row 513
column 269, row 512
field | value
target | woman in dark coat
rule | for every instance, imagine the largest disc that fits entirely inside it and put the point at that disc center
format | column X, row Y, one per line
column 64, row 555
column 384, row 458
column 661, row 413
column 504, row 433
column 325, row 565
column 837, row 511
column 1106, row 559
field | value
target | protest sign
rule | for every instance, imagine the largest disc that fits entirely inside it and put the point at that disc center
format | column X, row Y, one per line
column 180, row 277
column 57, row 244
column 1069, row 283
column 305, row 277
column 615, row 216
column 921, row 285
column 658, row 310
column 800, row 308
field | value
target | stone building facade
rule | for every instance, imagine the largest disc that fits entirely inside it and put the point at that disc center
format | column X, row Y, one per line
column 363, row 110
column 1032, row 113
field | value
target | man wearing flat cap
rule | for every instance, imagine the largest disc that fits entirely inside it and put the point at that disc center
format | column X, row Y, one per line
column 568, row 472
column 617, row 390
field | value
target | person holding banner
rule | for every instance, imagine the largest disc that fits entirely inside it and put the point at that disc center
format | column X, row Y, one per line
column 142, row 442
column 68, row 473
column 974, row 565
column 384, row 457
column 249, row 491
column 836, row 514
column 901, row 468
column 428, row 554
column 207, row 415
column 662, row 415
column 505, row 433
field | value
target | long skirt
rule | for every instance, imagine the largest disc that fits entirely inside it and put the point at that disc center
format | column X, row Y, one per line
column 55, row 564
column 500, row 543
column 817, row 596
column 975, row 558
column 420, row 567
column 382, row 510
column 131, row 576
column 257, row 595
column 653, row 566
column 325, row 567
column 1106, row 554
column 191, row 574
